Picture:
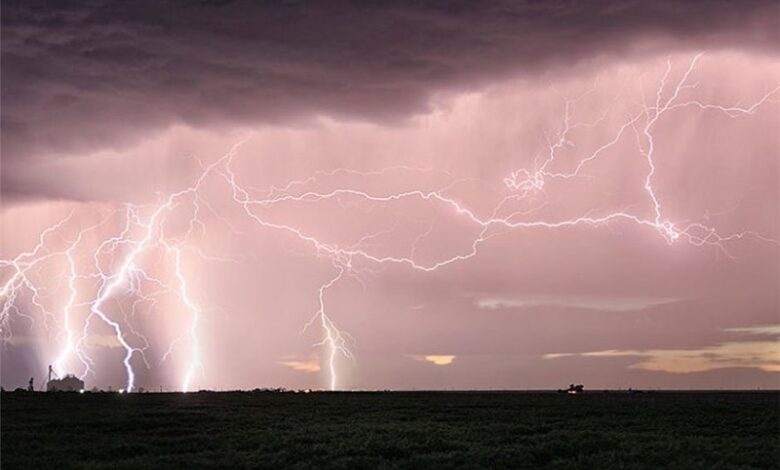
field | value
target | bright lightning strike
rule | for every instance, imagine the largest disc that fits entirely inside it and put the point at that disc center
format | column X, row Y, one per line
column 120, row 268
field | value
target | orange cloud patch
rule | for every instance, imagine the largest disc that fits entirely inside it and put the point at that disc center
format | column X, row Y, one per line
column 435, row 359
column 764, row 355
column 311, row 365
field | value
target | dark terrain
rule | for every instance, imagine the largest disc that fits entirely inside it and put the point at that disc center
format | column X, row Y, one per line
column 403, row 430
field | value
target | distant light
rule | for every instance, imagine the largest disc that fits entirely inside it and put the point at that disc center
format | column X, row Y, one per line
column 81, row 391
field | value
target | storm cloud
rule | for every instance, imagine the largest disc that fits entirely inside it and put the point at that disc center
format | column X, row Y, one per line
column 80, row 76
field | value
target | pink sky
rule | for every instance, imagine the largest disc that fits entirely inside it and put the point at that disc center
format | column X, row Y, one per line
column 432, row 295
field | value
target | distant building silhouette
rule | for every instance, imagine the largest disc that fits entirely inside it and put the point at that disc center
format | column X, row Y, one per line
column 575, row 389
column 69, row 383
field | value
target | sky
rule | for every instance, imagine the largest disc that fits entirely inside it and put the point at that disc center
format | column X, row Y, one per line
column 390, row 195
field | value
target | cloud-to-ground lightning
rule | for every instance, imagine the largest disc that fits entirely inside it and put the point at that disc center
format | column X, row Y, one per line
column 117, row 271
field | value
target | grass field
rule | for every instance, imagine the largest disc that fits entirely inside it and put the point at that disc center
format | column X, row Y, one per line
column 417, row 430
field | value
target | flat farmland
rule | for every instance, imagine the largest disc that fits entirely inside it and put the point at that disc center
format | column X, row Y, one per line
column 391, row 430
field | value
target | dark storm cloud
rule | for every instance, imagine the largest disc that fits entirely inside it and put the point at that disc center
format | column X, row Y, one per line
column 80, row 76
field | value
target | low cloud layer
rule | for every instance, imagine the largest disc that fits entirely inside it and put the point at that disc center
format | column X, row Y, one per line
column 601, row 304
column 763, row 355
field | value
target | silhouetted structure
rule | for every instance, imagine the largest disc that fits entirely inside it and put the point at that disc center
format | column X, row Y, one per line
column 69, row 383
column 30, row 387
column 575, row 389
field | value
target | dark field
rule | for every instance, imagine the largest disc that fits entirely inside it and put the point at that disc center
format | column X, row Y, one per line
column 391, row 430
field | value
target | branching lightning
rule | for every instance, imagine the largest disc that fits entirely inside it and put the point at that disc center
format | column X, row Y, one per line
column 119, row 270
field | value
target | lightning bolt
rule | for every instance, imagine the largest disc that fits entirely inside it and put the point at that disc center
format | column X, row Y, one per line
column 195, row 362
column 125, row 275
column 21, row 266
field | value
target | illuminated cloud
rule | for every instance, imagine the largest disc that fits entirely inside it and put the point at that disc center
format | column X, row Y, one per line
column 605, row 304
column 757, row 330
column 438, row 360
column 310, row 365
column 763, row 355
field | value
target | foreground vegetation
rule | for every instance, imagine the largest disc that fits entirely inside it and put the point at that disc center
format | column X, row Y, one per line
column 390, row 430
